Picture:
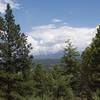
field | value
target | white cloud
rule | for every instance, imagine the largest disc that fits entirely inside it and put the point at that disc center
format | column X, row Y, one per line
column 56, row 20
column 13, row 4
column 51, row 39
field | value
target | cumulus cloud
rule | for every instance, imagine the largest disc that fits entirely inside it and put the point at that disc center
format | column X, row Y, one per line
column 50, row 38
column 13, row 4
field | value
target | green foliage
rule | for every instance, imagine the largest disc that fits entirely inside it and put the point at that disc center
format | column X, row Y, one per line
column 1, row 24
column 40, row 78
column 91, row 67
column 71, row 57
column 61, row 85
column 47, row 63
column 74, row 78
column 51, row 84
column 97, row 95
column 15, row 61
column 71, row 62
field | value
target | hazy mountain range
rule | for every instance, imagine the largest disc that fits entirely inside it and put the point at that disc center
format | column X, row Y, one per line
column 57, row 55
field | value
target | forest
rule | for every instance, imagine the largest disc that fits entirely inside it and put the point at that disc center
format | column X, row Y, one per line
column 76, row 77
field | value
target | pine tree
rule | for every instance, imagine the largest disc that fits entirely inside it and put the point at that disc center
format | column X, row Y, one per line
column 95, row 59
column 91, row 66
column 15, row 59
column 86, row 81
column 61, row 89
column 40, row 78
column 1, row 24
column 71, row 61
column 71, row 57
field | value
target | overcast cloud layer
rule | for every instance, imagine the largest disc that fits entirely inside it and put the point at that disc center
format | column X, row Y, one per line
column 50, row 38
column 3, row 4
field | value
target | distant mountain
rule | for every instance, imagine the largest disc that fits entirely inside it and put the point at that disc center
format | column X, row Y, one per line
column 57, row 55
column 49, row 59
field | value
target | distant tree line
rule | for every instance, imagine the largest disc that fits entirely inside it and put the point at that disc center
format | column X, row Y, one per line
column 76, row 78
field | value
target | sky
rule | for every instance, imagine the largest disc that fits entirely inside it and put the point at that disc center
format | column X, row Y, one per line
column 49, row 23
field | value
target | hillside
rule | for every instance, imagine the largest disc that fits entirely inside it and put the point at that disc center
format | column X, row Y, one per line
column 47, row 62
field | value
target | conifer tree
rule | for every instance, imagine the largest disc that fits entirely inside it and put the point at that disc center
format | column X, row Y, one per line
column 40, row 84
column 86, row 74
column 61, row 89
column 95, row 59
column 91, row 67
column 15, row 59
column 71, row 60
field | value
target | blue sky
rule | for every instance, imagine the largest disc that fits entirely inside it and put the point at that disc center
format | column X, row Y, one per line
column 81, row 13
column 49, row 23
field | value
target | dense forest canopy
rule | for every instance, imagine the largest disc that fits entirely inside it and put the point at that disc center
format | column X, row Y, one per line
column 75, row 77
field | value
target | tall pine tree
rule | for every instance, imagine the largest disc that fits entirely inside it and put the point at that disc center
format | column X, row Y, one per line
column 14, row 58
column 71, row 61
column 91, row 67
